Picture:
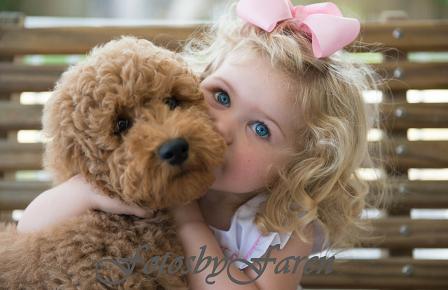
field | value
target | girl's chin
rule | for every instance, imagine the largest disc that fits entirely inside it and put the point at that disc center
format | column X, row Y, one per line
column 217, row 172
column 219, row 183
column 225, row 183
column 216, row 185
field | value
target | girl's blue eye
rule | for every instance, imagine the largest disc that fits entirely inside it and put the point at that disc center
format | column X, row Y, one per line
column 261, row 129
column 223, row 98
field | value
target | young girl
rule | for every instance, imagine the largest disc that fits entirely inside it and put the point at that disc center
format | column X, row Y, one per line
column 290, row 107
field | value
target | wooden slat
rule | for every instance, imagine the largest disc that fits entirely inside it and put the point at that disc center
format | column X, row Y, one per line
column 34, row 78
column 15, row 116
column 79, row 40
column 405, row 75
column 403, row 232
column 23, row 156
column 402, row 154
column 408, row 194
column 407, row 35
column 414, row 115
column 400, row 75
column 428, row 35
column 396, row 273
column 18, row 194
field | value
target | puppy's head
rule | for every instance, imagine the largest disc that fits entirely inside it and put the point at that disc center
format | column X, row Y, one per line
column 132, row 120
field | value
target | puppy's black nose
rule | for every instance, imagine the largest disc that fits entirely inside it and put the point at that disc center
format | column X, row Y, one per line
column 175, row 151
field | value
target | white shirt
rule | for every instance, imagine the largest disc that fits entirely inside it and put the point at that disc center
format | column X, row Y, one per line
column 244, row 240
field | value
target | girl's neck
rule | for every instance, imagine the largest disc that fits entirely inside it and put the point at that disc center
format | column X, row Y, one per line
column 218, row 207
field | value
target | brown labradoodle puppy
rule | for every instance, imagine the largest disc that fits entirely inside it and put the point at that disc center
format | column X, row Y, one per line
column 132, row 121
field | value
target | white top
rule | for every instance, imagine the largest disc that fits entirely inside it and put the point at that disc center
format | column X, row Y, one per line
column 244, row 240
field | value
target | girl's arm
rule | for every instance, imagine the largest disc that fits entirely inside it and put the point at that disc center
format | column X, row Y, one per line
column 194, row 234
column 69, row 199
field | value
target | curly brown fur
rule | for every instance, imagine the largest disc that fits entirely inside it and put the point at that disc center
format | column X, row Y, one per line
column 128, row 79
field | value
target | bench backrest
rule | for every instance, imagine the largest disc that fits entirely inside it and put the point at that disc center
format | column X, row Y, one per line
column 397, row 268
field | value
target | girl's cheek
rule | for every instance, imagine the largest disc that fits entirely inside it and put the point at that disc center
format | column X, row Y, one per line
column 248, row 166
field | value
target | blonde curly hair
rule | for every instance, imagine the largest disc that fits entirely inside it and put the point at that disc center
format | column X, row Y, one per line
column 320, row 182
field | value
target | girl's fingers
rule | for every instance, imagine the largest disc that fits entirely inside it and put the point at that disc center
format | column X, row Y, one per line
column 136, row 210
column 116, row 206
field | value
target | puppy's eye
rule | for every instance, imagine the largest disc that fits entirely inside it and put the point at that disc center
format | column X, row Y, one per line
column 122, row 124
column 172, row 103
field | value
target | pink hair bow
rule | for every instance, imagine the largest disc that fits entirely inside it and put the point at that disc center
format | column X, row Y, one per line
column 330, row 31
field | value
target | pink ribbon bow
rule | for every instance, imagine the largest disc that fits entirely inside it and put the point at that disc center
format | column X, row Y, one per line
column 330, row 31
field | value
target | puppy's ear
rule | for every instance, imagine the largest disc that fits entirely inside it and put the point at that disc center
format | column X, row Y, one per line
column 62, row 151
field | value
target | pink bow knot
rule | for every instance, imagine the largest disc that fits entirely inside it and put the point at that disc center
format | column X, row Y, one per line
column 330, row 31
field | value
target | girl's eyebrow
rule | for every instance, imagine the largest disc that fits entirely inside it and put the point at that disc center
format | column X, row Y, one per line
column 233, row 92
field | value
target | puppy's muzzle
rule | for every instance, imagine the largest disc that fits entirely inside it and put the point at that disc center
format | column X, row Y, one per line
column 174, row 151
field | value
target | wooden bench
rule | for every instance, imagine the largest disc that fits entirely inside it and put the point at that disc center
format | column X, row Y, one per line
column 397, row 269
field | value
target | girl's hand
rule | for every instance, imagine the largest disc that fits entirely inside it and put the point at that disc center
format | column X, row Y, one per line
column 69, row 199
column 113, row 205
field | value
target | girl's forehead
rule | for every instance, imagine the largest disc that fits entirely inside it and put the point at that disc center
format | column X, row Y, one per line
column 244, row 56
column 250, row 69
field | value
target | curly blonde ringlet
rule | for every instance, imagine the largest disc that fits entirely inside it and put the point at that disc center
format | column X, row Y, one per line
column 320, row 181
